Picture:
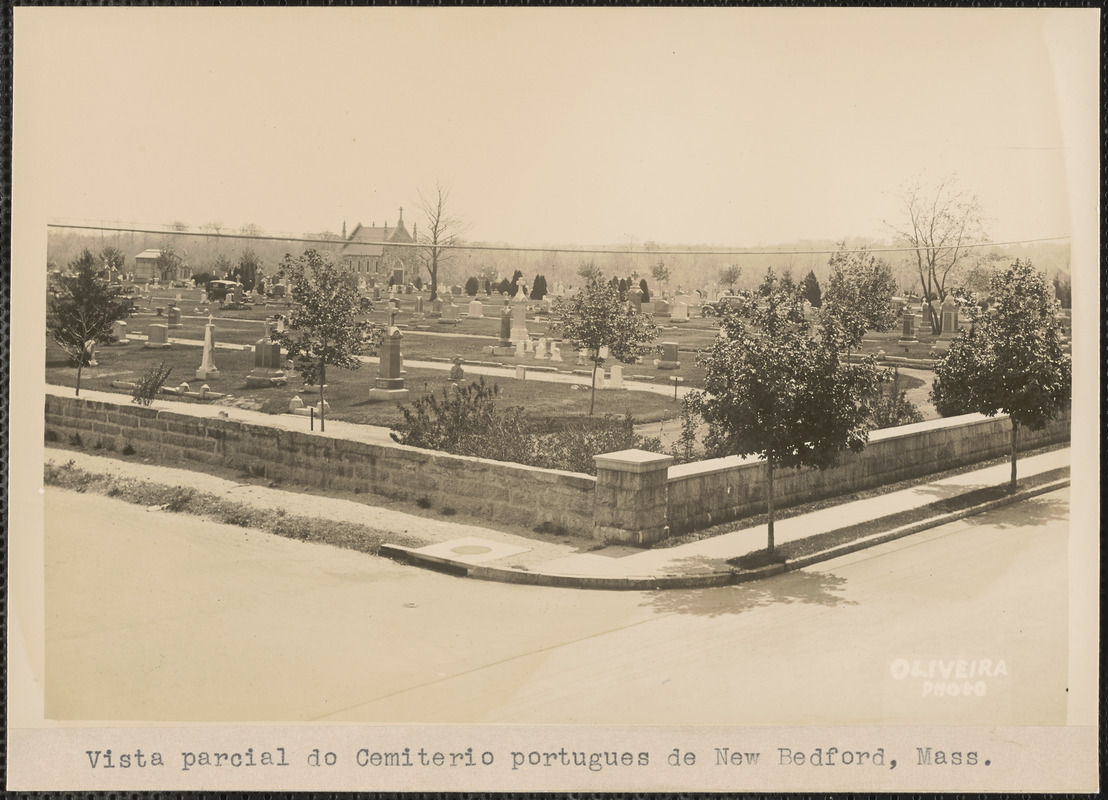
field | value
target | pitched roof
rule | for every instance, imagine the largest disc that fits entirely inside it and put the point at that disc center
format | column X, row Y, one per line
column 151, row 253
column 370, row 241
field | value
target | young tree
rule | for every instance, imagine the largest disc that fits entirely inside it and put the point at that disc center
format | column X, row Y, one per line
column 471, row 286
column 777, row 385
column 82, row 311
column 1010, row 359
column 596, row 317
column 441, row 230
column 113, row 259
column 660, row 272
column 589, row 271
column 859, row 292
column 167, row 262
column 939, row 223
column 222, row 267
column 324, row 329
column 538, row 288
column 810, row 291
column 730, row 276
column 247, row 270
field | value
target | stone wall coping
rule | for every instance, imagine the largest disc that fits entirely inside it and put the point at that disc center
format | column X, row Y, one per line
column 698, row 469
column 633, row 461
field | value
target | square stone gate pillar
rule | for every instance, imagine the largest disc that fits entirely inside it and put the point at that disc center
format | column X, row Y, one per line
column 631, row 497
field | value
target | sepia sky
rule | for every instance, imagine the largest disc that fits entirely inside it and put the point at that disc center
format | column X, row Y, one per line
column 723, row 126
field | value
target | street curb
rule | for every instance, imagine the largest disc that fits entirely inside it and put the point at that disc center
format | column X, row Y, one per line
column 460, row 569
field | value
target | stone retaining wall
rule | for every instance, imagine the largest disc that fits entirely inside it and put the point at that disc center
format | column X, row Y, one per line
column 491, row 490
column 709, row 492
column 637, row 497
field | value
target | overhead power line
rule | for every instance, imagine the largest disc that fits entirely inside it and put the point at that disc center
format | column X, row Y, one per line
column 739, row 251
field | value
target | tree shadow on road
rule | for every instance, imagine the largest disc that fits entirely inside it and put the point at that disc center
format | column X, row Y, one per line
column 801, row 586
column 1034, row 511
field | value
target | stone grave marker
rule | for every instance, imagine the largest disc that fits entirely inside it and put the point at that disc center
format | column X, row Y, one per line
column 951, row 322
column 157, row 337
column 680, row 313
column 540, row 349
column 119, row 331
column 208, row 369
column 173, row 318
column 476, row 310
column 908, row 326
column 389, row 385
column 616, row 380
column 669, row 356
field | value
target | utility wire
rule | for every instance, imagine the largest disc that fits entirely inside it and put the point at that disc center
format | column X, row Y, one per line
column 540, row 249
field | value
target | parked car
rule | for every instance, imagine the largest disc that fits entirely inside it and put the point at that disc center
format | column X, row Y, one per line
column 218, row 290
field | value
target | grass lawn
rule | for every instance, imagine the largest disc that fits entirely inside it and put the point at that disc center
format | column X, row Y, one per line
column 552, row 405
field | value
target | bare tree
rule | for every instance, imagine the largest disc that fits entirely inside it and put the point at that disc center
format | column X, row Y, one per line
column 441, row 230
column 939, row 224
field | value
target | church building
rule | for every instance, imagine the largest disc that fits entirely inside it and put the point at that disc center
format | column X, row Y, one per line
column 366, row 251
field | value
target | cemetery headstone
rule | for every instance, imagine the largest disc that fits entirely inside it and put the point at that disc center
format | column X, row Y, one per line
column 951, row 322
column 389, row 385
column 119, row 331
column 208, row 369
column 908, row 326
column 476, row 310
column 555, row 352
column 616, row 380
column 540, row 349
column 521, row 372
column 521, row 347
column 157, row 337
column 680, row 313
column 268, row 363
column 519, row 322
column 669, row 356
column 505, row 328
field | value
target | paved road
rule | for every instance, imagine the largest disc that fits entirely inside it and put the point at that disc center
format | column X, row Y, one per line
column 153, row 616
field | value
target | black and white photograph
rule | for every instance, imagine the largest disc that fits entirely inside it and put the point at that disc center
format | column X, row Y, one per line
column 532, row 399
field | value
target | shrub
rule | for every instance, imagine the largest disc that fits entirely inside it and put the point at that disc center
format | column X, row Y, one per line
column 574, row 449
column 75, row 440
column 148, row 386
column 423, row 502
column 891, row 407
column 50, row 436
column 449, row 511
column 471, row 287
column 128, row 450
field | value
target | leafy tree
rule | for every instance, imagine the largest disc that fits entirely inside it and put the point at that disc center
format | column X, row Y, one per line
column 588, row 270
column 167, row 262
column 504, row 287
column 247, row 270
column 82, row 311
column 939, row 222
column 859, row 292
column 323, row 329
column 538, row 288
column 660, row 272
column 222, row 267
column 202, row 278
column 597, row 317
column 645, row 291
column 778, row 386
column 471, row 286
column 1010, row 359
column 440, row 232
column 730, row 276
column 810, row 291
column 113, row 259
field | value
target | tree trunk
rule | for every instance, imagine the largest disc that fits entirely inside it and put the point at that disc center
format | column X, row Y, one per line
column 769, row 503
column 80, row 366
column 322, row 379
column 592, row 395
column 1012, row 484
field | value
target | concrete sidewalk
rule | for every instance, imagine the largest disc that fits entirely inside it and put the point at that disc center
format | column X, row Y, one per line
column 478, row 551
